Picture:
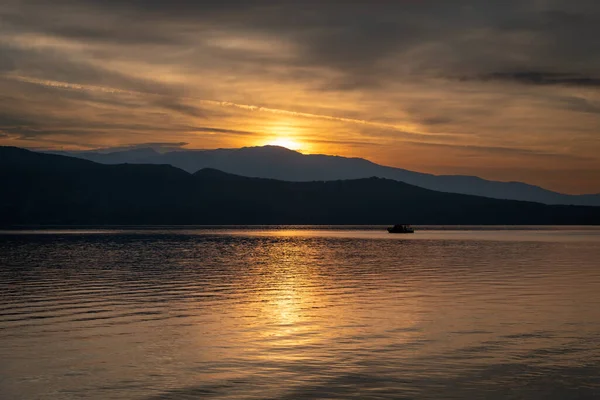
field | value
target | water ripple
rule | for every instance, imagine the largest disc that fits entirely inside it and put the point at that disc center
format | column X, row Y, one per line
column 299, row 313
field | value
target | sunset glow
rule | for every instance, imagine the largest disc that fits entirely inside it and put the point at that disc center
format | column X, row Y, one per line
column 315, row 78
column 287, row 143
column 299, row 199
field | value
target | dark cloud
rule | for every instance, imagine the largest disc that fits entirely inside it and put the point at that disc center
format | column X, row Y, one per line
column 544, row 78
column 579, row 104
column 124, row 35
column 209, row 129
column 26, row 125
column 368, row 44
column 54, row 65
column 6, row 62
column 8, row 120
column 14, row 126
column 158, row 146
column 179, row 8
column 185, row 109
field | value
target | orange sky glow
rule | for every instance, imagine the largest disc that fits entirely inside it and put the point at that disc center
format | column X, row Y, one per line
column 474, row 97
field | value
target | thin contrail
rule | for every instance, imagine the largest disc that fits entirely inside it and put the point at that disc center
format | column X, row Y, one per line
column 247, row 107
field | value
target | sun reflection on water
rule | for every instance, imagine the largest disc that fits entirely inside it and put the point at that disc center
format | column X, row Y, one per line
column 346, row 315
column 294, row 308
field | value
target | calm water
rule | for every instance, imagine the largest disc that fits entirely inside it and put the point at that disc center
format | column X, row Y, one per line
column 300, row 314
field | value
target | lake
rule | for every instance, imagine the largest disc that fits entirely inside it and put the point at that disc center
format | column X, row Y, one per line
column 300, row 313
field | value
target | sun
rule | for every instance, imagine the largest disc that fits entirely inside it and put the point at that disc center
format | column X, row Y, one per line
column 285, row 142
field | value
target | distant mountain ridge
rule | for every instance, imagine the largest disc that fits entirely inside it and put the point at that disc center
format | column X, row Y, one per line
column 280, row 163
column 48, row 189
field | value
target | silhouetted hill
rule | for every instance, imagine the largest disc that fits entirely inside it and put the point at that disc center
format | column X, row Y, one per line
column 51, row 189
column 280, row 163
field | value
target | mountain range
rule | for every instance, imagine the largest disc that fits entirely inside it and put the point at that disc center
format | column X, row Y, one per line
column 49, row 189
column 275, row 162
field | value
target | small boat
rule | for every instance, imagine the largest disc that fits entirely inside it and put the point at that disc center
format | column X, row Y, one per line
column 401, row 229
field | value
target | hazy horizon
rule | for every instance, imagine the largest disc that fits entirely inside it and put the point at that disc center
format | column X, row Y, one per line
column 160, row 148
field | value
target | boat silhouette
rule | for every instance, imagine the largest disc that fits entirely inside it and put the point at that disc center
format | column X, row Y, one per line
column 401, row 228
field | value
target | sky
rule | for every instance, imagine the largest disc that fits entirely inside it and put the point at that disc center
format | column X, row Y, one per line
column 506, row 90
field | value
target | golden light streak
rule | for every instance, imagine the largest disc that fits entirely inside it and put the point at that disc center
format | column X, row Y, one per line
column 247, row 107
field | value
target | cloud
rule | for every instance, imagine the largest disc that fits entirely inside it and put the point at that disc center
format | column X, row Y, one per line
column 353, row 143
column 194, row 111
column 58, row 65
column 178, row 106
column 499, row 74
column 578, row 104
column 224, row 131
column 481, row 151
column 544, row 78
column 158, row 146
